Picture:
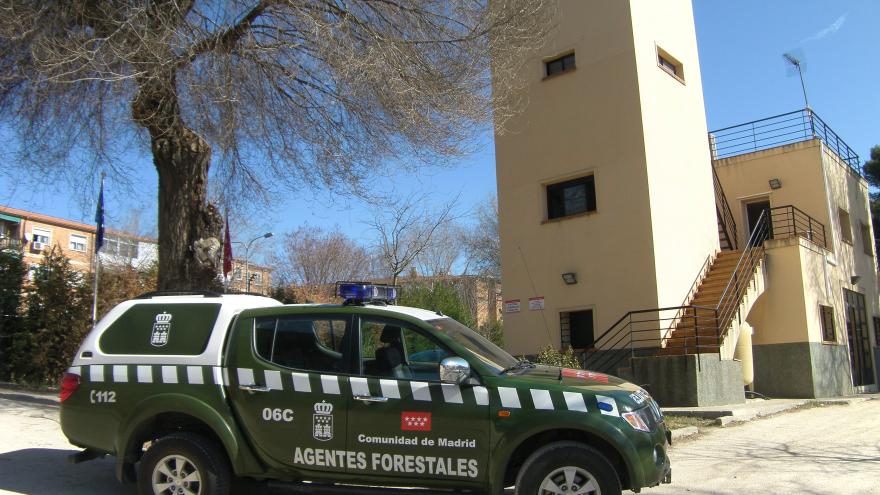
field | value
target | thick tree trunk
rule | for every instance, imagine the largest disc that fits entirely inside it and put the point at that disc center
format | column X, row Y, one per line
column 189, row 227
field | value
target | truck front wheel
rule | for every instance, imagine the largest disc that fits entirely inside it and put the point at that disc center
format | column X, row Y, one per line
column 183, row 464
column 569, row 468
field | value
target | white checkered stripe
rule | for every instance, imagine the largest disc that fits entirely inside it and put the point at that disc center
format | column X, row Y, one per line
column 298, row 382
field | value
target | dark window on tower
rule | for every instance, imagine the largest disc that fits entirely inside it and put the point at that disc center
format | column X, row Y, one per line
column 581, row 324
column 571, row 197
column 826, row 314
column 877, row 331
column 559, row 65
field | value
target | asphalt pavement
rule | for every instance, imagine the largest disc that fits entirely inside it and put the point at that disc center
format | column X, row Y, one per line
column 828, row 450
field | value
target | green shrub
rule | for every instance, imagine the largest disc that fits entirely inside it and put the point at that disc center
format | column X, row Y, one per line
column 551, row 356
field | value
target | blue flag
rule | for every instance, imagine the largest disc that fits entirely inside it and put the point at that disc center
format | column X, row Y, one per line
column 99, row 219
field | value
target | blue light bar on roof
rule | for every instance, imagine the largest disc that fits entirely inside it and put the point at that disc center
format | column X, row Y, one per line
column 362, row 292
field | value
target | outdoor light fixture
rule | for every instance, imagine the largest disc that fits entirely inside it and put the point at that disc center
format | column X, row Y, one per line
column 775, row 184
column 855, row 279
column 247, row 249
column 570, row 278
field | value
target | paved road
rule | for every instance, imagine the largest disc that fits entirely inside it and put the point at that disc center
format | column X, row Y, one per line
column 830, row 450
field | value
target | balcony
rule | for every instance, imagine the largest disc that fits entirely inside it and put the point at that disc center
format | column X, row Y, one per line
column 10, row 243
column 787, row 128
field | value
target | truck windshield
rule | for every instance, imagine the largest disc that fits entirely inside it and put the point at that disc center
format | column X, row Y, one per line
column 493, row 356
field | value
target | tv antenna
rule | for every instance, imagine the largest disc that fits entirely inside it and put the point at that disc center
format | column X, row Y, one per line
column 797, row 63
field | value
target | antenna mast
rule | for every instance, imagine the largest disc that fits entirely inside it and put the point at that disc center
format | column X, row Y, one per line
column 796, row 63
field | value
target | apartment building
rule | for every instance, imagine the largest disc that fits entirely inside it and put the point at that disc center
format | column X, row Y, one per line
column 694, row 267
column 35, row 233
column 260, row 278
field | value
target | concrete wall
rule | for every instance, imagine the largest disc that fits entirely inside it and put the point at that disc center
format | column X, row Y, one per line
column 682, row 381
column 802, row 370
column 596, row 120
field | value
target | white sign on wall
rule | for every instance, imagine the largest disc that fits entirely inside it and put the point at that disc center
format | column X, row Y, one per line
column 536, row 303
column 511, row 306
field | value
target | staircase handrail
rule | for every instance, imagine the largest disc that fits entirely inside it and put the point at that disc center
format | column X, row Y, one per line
column 707, row 263
column 748, row 260
column 725, row 216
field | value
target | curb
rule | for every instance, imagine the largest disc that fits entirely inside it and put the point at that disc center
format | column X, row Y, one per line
column 684, row 432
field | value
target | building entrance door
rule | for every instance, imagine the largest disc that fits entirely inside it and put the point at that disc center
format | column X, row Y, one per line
column 859, row 339
column 753, row 214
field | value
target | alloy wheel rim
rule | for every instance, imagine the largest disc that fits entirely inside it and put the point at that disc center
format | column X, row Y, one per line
column 569, row 480
column 176, row 475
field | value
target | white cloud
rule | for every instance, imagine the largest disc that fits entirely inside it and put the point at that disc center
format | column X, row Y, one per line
column 833, row 28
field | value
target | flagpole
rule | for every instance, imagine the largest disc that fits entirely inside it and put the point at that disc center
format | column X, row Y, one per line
column 99, row 241
column 95, row 297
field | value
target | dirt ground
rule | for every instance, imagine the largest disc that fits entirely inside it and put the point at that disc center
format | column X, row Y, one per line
column 832, row 450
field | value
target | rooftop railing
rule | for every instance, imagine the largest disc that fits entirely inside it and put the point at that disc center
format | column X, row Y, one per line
column 787, row 128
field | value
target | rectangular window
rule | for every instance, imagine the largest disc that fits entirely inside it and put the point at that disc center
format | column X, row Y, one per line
column 559, row 65
column 845, row 226
column 826, row 315
column 257, row 278
column 877, row 331
column 571, row 197
column 121, row 246
column 390, row 349
column 77, row 243
column 581, row 324
column 236, row 274
column 300, row 342
column 669, row 63
column 43, row 236
column 867, row 240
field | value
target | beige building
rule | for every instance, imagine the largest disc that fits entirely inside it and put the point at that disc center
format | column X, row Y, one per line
column 260, row 277
column 618, row 237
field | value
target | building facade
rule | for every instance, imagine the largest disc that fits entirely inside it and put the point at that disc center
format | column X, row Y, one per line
column 633, row 235
column 592, row 176
column 35, row 233
column 260, row 277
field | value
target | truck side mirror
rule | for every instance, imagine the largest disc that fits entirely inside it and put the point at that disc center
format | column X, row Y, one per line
column 454, row 370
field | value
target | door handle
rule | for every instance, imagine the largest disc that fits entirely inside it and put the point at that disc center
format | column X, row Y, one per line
column 367, row 399
column 254, row 388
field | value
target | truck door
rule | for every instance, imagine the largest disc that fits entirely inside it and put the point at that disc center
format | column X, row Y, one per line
column 286, row 377
column 404, row 419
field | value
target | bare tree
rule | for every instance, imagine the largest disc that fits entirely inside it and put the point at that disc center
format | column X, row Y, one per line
column 405, row 229
column 313, row 257
column 482, row 241
column 269, row 92
column 445, row 249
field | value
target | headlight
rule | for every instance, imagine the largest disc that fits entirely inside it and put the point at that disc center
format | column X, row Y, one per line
column 639, row 419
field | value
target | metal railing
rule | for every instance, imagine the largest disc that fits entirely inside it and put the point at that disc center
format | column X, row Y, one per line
column 725, row 216
column 683, row 329
column 788, row 221
column 779, row 130
column 10, row 243
column 742, row 276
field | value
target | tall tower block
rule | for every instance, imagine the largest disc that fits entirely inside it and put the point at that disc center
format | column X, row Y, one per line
column 606, row 174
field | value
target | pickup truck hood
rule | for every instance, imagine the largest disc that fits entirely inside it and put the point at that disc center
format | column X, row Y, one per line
column 583, row 379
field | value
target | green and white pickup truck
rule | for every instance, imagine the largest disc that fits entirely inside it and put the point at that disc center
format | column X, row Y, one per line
column 189, row 391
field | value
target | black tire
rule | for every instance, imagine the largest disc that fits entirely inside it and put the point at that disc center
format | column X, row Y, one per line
column 201, row 455
column 555, row 457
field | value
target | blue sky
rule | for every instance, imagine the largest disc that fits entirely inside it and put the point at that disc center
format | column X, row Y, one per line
column 744, row 78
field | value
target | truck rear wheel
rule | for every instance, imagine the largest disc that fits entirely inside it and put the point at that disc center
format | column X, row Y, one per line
column 569, row 468
column 183, row 464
